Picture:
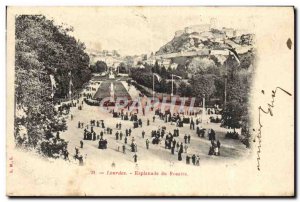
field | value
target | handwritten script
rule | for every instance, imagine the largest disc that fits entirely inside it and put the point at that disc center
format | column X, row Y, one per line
column 268, row 111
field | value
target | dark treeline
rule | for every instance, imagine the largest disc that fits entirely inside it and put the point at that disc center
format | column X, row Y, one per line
column 99, row 67
column 206, row 77
column 43, row 49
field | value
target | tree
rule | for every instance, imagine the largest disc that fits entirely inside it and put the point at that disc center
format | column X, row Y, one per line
column 179, row 71
column 184, row 89
column 236, row 112
column 43, row 49
column 128, row 60
column 164, row 72
column 198, row 65
column 122, row 68
column 100, row 66
column 232, row 114
column 156, row 68
column 220, row 87
column 203, row 85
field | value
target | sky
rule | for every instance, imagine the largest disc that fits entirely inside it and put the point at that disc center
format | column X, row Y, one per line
column 135, row 30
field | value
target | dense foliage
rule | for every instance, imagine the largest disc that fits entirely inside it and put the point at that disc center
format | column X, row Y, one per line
column 205, row 76
column 43, row 49
column 99, row 67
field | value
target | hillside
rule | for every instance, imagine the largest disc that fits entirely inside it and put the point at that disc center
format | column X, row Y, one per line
column 211, row 39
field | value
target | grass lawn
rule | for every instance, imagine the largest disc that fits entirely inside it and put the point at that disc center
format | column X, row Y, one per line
column 104, row 90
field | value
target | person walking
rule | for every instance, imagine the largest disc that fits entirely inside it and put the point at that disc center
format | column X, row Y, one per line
column 194, row 159
column 185, row 139
column 124, row 149
column 177, row 146
column 94, row 136
column 117, row 135
column 179, row 156
column 218, row 146
column 129, row 131
column 189, row 139
column 188, row 159
column 147, row 144
column 185, row 148
column 135, row 147
column 135, row 158
column 172, row 150
column 198, row 160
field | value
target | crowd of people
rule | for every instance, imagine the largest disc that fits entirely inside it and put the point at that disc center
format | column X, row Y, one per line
column 171, row 140
column 175, row 142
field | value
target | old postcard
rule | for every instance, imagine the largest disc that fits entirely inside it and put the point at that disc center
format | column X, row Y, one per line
column 150, row 101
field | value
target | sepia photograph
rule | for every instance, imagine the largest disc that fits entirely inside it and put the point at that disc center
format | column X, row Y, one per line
column 150, row 101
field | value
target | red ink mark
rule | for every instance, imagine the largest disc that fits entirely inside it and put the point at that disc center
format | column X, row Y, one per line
column 11, row 164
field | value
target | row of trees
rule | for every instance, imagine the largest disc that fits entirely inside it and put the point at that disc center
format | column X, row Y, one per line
column 43, row 49
column 166, row 73
column 206, row 77
column 196, row 80
column 144, row 76
column 98, row 67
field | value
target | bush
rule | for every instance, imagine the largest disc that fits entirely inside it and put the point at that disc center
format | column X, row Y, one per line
column 53, row 147
column 232, row 135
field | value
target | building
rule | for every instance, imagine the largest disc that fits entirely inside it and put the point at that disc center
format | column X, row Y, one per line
column 137, row 59
column 197, row 28
column 111, row 58
column 207, row 35
column 179, row 33
column 150, row 60
column 164, row 62
column 229, row 32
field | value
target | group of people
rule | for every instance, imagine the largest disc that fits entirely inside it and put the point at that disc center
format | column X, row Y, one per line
column 177, row 118
column 171, row 141
column 187, row 139
column 97, row 123
column 65, row 107
column 214, row 149
column 88, row 95
column 156, row 135
column 78, row 156
column 119, row 135
column 90, row 135
column 102, row 144
column 137, row 122
column 195, row 160
column 119, row 126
